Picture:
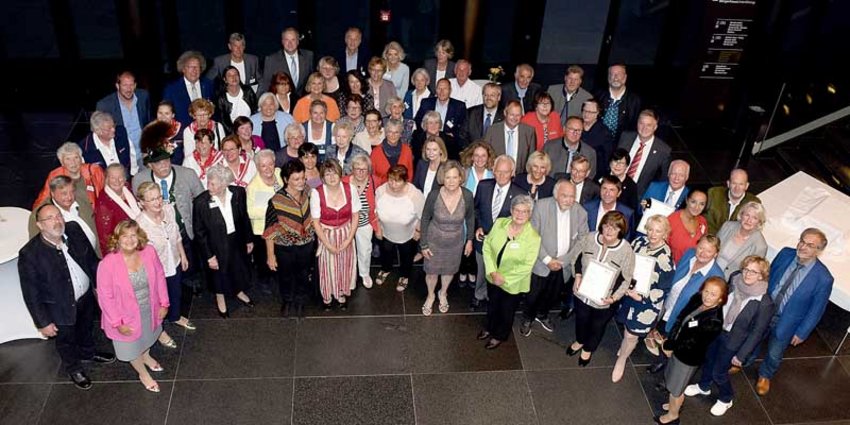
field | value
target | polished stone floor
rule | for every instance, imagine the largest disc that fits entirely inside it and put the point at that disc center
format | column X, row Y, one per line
column 382, row 362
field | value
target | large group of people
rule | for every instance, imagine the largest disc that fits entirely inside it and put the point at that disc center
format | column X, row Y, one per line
column 296, row 177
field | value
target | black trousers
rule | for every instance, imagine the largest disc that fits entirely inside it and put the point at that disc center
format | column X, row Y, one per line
column 294, row 266
column 258, row 257
column 75, row 343
column 500, row 312
column 406, row 251
column 590, row 324
column 468, row 264
column 543, row 294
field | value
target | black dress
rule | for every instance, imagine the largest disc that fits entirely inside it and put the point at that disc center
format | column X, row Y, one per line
column 230, row 250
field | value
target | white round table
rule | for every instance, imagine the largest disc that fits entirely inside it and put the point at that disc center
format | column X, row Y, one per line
column 17, row 322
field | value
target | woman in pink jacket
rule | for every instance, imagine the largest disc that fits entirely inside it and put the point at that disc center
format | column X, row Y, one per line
column 133, row 297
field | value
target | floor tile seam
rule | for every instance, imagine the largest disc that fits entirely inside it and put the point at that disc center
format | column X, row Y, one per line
column 413, row 399
column 758, row 399
column 176, row 371
column 294, row 364
column 527, row 385
column 44, row 405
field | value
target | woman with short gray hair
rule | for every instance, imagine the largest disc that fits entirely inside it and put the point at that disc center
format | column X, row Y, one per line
column 223, row 236
column 742, row 237
column 395, row 111
column 259, row 191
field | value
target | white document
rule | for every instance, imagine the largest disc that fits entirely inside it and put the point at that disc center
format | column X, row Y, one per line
column 655, row 207
column 644, row 268
column 597, row 279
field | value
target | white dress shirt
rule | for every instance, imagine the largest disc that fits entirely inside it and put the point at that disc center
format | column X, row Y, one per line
column 79, row 279
column 196, row 85
column 469, row 93
column 240, row 66
column 74, row 215
column 225, row 209
column 109, row 152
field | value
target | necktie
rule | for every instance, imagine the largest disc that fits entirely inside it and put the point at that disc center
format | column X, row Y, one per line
column 194, row 91
column 488, row 121
column 497, row 203
column 164, row 185
column 611, row 117
column 293, row 70
column 781, row 296
column 669, row 199
column 636, row 161
column 509, row 146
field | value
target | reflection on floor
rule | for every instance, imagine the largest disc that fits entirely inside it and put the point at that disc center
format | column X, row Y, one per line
column 382, row 362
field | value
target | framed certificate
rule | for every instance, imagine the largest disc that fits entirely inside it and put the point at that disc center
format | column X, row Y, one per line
column 597, row 279
column 655, row 207
column 644, row 267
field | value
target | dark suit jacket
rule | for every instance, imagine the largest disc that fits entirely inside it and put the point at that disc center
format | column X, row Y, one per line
column 750, row 325
column 276, row 62
column 421, row 173
column 807, row 303
column 589, row 191
column 484, row 206
column 474, row 129
column 658, row 190
column 112, row 105
column 657, row 160
column 509, row 93
column 629, row 110
column 176, row 93
column 45, row 278
column 689, row 343
column 559, row 155
column 452, row 127
column 525, row 142
column 211, row 231
column 363, row 58
column 600, row 139
column 122, row 145
column 430, row 65
column 252, row 70
column 592, row 208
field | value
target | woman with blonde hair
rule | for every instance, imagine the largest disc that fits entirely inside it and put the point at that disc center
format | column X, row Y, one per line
column 397, row 72
column 535, row 180
column 201, row 111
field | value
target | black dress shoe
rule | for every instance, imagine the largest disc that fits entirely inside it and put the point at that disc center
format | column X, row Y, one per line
column 655, row 368
column 483, row 335
column 248, row 303
column 475, row 304
column 657, row 420
column 565, row 314
column 343, row 306
column 224, row 314
column 492, row 343
column 80, row 380
column 102, row 358
column 584, row 362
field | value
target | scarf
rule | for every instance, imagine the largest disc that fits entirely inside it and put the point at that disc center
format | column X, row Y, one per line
column 392, row 152
column 128, row 204
column 741, row 292
column 243, row 168
column 195, row 127
column 204, row 165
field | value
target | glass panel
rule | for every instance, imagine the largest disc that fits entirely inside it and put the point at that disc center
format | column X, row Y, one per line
column 21, row 41
column 572, row 32
column 498, row 32
column 413, row 23
column 264, row 21
column 202, row 26
column 96, row 26
column 638, row 31
column 333, row 18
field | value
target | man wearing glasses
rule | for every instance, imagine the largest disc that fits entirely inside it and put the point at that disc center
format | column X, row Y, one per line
column 799, row 285
column 570, row 96
column 562, row 152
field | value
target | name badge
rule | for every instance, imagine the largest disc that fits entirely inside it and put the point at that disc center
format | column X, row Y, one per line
column 692, row 324
column 450, row 124
column 90, row 188
column 513, row 245
column 213, row 205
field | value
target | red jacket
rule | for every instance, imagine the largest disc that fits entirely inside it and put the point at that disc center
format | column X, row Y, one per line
column 381, row 165
column 92, row 174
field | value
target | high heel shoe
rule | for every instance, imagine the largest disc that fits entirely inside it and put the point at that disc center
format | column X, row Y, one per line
column 224, row 314
column 572, row 352
column 248, row 303
column 584, row 362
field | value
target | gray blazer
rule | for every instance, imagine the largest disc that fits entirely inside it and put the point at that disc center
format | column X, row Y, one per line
column 754, row 245
column 544, row 219
column 252, row 71
column 750, row 325
column 526, row 141
column 574, row 107
column 559, row 155
column 430, row 65
column 187, row 186
column 387, row 91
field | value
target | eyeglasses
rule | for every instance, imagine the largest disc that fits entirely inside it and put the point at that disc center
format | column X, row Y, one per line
column 360, row 170
column 750, row 271
column 574, row 130
column 590, row 112
column 807, row 244
column 51, row 218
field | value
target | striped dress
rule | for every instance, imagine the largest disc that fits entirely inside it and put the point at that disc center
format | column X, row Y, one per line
column 336, row 271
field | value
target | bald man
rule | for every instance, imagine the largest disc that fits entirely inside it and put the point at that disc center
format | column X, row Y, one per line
column 724, row 203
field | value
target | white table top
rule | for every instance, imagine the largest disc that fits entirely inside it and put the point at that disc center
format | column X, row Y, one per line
column 783, row 225
column 13, row 232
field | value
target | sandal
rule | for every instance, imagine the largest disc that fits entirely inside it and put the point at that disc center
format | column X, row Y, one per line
column 426, row 308
column 401, row 285
column 444, row 305
column 156, row 367
column 154, row 388
column 381, row 277
column 171, row 343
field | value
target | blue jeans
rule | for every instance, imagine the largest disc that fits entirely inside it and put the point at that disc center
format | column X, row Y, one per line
column 718, row 358
column 775, row 350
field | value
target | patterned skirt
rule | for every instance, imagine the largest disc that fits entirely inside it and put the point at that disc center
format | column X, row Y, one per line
column 337, row 271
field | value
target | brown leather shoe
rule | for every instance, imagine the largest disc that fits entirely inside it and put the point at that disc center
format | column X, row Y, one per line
column 763, row 386
column 734, row 369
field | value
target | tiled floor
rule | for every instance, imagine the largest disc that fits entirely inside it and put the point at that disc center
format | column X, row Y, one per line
column 382, row 362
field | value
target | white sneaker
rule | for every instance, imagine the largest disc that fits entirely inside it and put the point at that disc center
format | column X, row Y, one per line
column 694, row 389
column 720, row 408
column 367, row 282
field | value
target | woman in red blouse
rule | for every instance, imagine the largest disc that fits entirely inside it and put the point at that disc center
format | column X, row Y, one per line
column 687, row 225
column 390, row 153
column 115, row 204
column 546, row 122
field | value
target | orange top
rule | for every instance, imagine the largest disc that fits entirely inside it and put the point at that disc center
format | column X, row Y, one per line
column 92, row 174
column 301, row 113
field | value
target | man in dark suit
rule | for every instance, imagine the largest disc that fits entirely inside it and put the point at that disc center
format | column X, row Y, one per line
column 189, row 87
column 522, row 89
column 511, row 137
column 672, row 191
column 453, row 113
column 586, row 189
column 561, row 223
column 609, row 191
column 247, row 64
column 570, row 96
column 562, row 151
column 800, row 285
column 620, row 108
column 480, row 118
column 492, row 200
column 355, row 54
column 297, row 63
column 650, row 155
column 58, row 268
column 130, row 108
